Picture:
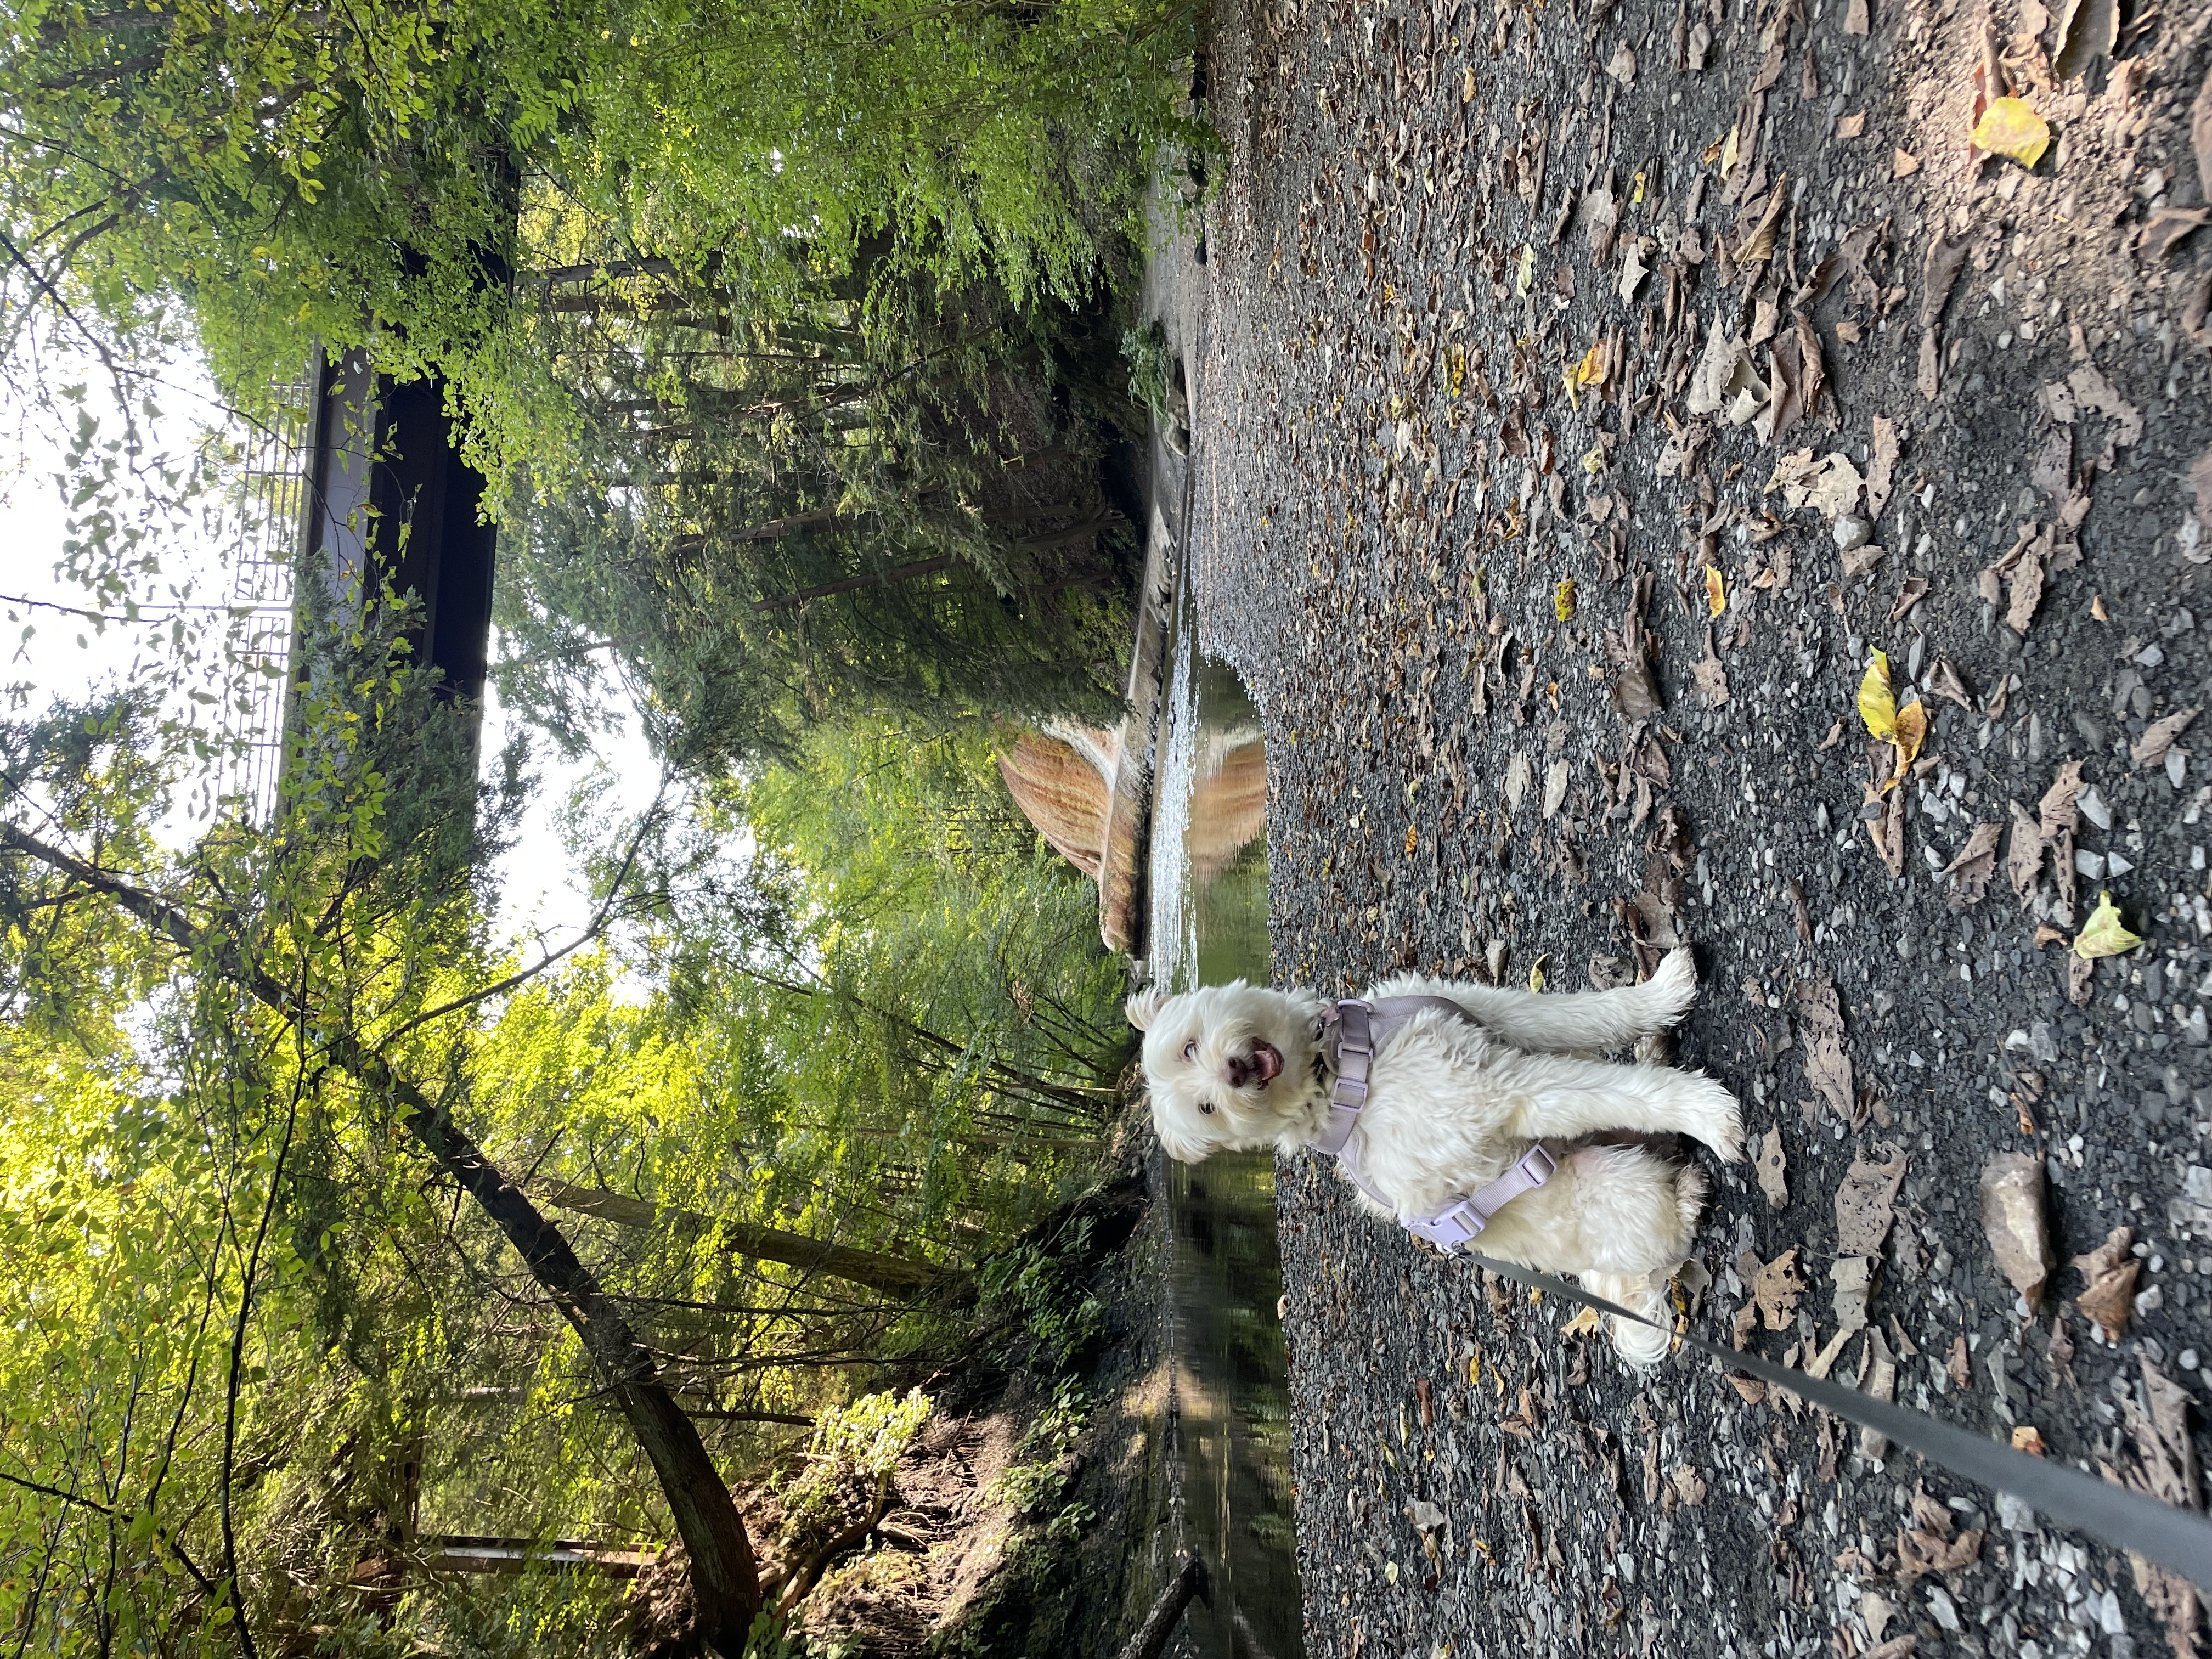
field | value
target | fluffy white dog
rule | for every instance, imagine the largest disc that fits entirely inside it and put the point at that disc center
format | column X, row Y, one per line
column 1453, row 1103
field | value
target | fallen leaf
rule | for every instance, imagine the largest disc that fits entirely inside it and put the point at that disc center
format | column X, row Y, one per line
column 1969, row 873
column 1939, row 274
column 1712, row 679
column 2059, row 810
column 1955, row 1367
column 1820, row 1026
column 2200, row 140
column 1865, row 1204
column 1851, row 125
column 1944, row 681
column 1903, row 164
column 2088, row 30
column 2012, row 129
column 1853, row 1278
column 2015, row 1217
column 2027, row 1439
column 1519, row 774
column 1911, row 732
column 1920, row 1553
column 1881, row 466
column 2151, row 748
column 2105, row 935
column 2091, row 390
column 1584, row 1323
column 1563, row 600
column 2169, row 226
column 1715, row 591
column 2110, row 1296
column 2024, row 860
column 1777, row 1289
column 1467, row 84
column 1877, row 703
column 1831, row 484
column 1590, row 371
column 1774, row 1170
column 1621, row 66
column 1689, row 1487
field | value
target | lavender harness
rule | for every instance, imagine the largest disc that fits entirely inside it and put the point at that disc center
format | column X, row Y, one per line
column 1350, row 1033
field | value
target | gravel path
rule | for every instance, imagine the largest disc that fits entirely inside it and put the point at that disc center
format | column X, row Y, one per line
column 1427, row 218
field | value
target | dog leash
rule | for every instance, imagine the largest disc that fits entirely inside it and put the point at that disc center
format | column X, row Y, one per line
column 1350, row 1033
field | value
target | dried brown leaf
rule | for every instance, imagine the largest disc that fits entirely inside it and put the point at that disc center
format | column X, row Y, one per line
column 1776, row 1290
column 1865, row 1204
column 1774, row 1170
column 1969, row 873
column 2109, row 1296
column 1820, row 1026
column 2151, row 748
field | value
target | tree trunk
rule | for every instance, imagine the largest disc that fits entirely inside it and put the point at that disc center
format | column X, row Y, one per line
column 897, row 573
column 724, row 1575
column 894, row 1275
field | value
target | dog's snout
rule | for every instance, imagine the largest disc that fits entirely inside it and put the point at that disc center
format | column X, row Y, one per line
column 1259, row 1064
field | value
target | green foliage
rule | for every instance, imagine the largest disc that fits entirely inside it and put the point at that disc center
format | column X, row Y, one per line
column 369, row 173
column 1151, row 369
column 1033, row 1289
column 855, row 1447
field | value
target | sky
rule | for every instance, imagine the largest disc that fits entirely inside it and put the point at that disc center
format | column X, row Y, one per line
column 51, row 652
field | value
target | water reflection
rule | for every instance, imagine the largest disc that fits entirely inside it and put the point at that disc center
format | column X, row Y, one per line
column 1209, row 923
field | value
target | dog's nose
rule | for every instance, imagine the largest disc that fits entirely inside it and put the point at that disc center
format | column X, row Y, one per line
column 1243, row 1068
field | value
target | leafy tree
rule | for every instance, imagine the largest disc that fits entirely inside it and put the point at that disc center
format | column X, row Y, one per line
column 373, row 175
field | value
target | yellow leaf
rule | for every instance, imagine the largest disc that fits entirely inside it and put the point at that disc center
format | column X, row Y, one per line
column 1715, row 591
column 2011, row 129
column 1524, row 271
column 1536, row 973
column 1466, row 85
column 1591, row 370
column 2105, row 935
column 1563, row 600
column 1728, row 154
column 1582, row 1324
column 1412, row 836
column 1877, row 703
column 1911, row 730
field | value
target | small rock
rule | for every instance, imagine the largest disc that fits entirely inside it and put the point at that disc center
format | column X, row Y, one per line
column 1945, row 1610
column 2116, row 865
column 2090, row 863
column 1852, row 532
column 2094, row 807
column 2015, row 1216
column 2013, row 1513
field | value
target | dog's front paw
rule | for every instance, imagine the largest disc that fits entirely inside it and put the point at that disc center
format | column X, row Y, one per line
column 1673, row 986
column 1719, row 1121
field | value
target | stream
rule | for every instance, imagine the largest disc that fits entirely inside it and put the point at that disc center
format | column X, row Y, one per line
column 1208, row 923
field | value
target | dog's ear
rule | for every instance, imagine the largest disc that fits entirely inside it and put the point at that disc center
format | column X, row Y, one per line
column 1144, row 1006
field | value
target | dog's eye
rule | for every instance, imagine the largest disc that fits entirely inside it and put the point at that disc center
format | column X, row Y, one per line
column 1190, row 1052
column 1206, row 1106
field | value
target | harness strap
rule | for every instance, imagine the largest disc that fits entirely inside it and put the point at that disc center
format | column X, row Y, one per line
column 1350, row 1033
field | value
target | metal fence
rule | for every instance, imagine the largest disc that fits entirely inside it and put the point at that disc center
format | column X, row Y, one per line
column 271, row 500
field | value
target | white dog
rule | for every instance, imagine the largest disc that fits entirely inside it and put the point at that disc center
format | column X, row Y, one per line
column 1451, row 1104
